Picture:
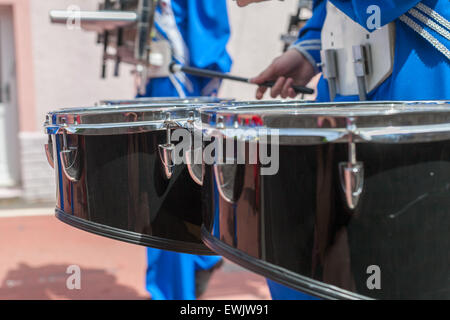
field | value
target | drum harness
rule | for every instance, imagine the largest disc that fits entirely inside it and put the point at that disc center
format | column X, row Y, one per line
column 359, row 62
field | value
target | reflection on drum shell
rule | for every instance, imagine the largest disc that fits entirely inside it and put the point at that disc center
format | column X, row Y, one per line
column 122, row 192
column 296, row 228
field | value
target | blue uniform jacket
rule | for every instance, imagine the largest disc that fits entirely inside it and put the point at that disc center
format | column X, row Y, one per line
column 421, row 69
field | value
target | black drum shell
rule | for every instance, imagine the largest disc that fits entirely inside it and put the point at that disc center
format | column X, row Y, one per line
column 296, row 228
column 122, row 192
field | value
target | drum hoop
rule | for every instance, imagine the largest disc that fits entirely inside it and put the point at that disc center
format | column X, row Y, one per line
column 132, row 237
column 240, row 107
column 386, row 122
column 390, row 135
column 64, row 119
column 125, row 119
column 277, row 273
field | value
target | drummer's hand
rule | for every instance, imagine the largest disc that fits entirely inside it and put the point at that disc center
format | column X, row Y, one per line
column 243, row 3
column 291, row 68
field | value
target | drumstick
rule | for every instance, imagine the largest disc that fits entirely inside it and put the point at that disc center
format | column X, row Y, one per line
column 214, row 74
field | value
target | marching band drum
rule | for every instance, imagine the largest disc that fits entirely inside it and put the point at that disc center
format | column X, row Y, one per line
column 115, row 174
column 314, row 196
column 356, row 207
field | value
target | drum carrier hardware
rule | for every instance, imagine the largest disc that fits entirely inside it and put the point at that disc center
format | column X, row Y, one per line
column 125, row 29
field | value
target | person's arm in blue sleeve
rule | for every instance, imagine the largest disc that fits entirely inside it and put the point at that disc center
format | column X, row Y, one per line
column 309, row 40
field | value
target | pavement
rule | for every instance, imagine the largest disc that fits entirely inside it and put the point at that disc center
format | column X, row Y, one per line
column 36, row 251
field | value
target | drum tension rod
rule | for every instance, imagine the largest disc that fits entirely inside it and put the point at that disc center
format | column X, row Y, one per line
column 64, row 126
column 167, row 150
column 190, row 121
column 330, row 72
column 190, row 127
column 69, row 157
column 362, row 63
column 194, row 155
column 351, row 173
column 48, row 147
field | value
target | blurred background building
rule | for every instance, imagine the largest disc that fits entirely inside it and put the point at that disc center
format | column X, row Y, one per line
column 44, row 67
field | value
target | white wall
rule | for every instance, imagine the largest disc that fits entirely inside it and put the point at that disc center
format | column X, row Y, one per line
column 255, row 41
column 67, row 63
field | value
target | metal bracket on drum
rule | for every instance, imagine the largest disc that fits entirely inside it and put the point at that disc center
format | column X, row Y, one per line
column 196, row 171
column 167, row 150
column 330, row 72
column 225, row 175
column 229, row 176
column 49, row 146
column 70, row 160
column 351, row 173
column 49, row 152
column 362, row 63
